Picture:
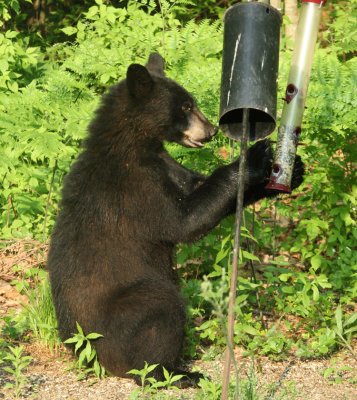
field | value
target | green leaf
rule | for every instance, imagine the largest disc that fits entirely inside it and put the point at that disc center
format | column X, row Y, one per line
column 166, row 374
column 92, row 355
column 315, row 292
column 78, row 345
column 350, row 330
column 81, row 359
column 94, row 335
column 323, row 349
column 316, row 262
column 288, row 289
column 135, row 372
column 221, row 255
column 328, row 372
column 285, row 277
column 79, row 329
column 338, row 319
column 250, row 256
column 96, row 368
column 69, row 30
column 92, row 12
column 176, row 378
column 241, row 298
column 249, row 329
column 351, row 320
column 11, row 34
column 150, row 368
column 88, row 351
column 155, row 384
column 71, row 340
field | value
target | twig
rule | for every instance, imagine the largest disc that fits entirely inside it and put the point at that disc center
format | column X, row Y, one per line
column 279, row 382
column 49, row 199
column 274, row 232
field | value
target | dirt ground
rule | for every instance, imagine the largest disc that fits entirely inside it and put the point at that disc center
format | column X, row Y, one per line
column 49, row 377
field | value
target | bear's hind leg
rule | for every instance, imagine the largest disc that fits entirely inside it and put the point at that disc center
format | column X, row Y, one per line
column 145, row 324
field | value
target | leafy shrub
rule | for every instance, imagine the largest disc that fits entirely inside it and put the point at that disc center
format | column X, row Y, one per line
column 87, row 362
column 17, row 364
column 45, row 110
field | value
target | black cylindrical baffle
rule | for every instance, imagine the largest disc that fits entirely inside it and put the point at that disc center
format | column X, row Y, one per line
column 250, row 69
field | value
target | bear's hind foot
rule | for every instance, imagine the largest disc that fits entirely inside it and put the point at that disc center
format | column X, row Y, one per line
column 188, row 379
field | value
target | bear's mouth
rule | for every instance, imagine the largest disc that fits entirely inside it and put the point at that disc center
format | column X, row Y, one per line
column 190, row 142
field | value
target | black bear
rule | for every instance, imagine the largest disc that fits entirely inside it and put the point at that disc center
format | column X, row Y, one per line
column 125, row 205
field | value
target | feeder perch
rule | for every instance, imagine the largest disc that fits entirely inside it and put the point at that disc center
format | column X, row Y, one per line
column 295, row 96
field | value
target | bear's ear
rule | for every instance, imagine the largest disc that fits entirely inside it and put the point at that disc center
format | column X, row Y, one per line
column 156, row 64
column 139, row 81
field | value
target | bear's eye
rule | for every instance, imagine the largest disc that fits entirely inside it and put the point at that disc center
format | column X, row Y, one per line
column 187, row 106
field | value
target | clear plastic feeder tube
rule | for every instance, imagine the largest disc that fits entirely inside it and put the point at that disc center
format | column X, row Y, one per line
column 295, row 97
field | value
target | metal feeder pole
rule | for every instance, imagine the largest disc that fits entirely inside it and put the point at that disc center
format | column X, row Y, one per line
column 295, row 97
column 247, row 108
column 234, row 274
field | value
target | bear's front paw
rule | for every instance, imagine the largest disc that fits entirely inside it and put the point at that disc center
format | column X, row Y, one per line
column 260, row 161
column 298, row 173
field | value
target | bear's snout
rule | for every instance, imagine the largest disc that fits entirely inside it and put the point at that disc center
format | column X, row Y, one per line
column 199, row 130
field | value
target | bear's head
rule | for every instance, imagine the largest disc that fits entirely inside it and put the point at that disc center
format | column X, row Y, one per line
column 176, row 115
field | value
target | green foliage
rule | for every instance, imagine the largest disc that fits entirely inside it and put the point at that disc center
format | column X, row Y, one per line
column 302, row 250
column 37, row 319
column 45, row 107
column 18, row 363
column 143, row 373
column 39, row 313
column 13, row 328
column 7, row 7
column 342, row 33
column 247, row 387
column 87, row 362
column 209, row 390
column 19, row 62
column 37, row 138
column 149, row 384
column 210, row 9
column 345, row 328
column 339, row 374
column 326, row 238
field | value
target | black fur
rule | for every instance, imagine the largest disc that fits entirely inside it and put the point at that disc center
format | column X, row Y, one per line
column 125, row 205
